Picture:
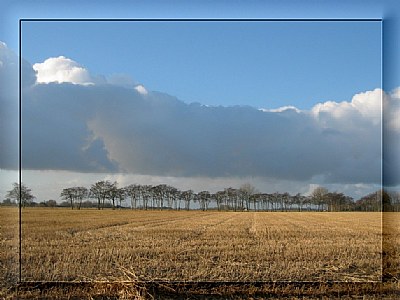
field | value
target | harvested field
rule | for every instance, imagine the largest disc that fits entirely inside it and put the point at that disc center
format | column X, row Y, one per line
column 193, row 246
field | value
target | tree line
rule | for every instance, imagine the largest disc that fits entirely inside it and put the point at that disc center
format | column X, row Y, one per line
column 107, row 194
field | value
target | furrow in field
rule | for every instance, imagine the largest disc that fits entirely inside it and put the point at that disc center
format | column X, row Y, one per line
column 135, row 219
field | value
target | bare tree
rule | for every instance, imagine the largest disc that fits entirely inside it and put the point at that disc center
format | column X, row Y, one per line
column 395, row 200
column 51, row 203
column 204, row 199
column 274, row 198
column 74, row 195
column 80, row 194
column 134, row 191
column 187, row 197
column 219, row 198
column 299, row 200
column 372, row 202
column 232, row 196
column 21, row 194
column 286, row 201
column 113, row 193
column 246, row 190
column 101, row 190
column 121, row 196
column 171, row 195
column 319, row 197
column 159, row 195
column 68, row 194
column 146, row 195
column 179, row 198
column 336, row 201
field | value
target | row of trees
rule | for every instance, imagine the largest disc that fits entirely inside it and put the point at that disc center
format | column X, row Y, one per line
column 245, row 198
column 136, row 196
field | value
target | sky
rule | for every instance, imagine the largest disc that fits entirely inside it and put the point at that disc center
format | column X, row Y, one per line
column 264, row 63
column 285, row 106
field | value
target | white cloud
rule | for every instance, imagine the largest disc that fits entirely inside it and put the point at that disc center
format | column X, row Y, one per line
column 392, row 110
column 141, row 89
column 281, row 109
column 337, row 110
column 61, row 69
column 65, row 70
column 367, row 105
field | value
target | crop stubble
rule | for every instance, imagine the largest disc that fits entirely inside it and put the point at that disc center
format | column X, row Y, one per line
column 60, row 245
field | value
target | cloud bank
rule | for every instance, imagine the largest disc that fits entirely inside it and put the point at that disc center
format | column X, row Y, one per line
column 9, row 113
column 73, row 121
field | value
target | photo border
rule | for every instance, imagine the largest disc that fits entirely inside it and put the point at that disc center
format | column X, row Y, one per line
column 22, row 20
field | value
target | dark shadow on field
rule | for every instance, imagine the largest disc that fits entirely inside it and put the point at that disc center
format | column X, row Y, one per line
column 206, row 290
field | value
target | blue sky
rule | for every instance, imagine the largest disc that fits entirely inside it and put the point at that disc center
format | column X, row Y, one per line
column 82, row 130
column 261, row 64
column 12, row 10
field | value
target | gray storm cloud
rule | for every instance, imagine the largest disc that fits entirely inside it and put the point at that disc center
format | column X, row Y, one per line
column 160, row 135
column 9, row 112
column 115, row 128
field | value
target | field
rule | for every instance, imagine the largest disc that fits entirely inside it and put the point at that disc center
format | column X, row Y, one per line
column 193, row 246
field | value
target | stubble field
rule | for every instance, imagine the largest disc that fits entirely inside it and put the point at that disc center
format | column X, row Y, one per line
column 125, row 245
